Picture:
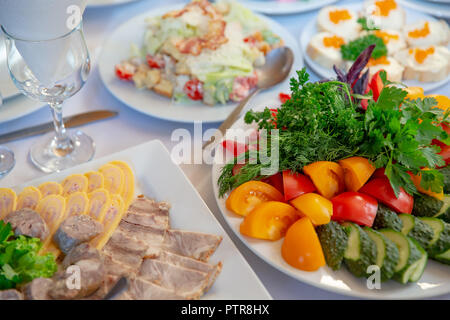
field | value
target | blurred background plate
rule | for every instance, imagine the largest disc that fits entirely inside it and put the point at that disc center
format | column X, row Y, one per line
column 438, row 8
column 104, row 3
column 310, row 29
column 277, row 7
column 17, row 107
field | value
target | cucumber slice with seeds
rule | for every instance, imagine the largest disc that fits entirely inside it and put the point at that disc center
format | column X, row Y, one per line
column 387, row 253
column 416, row 229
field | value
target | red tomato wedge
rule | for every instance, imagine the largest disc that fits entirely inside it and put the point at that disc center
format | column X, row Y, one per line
column 236, row 148
column 376, row 84
column 276, row 181
column 194, row 89
column 445, row 150
column 379, row 173
column 296, row 184
column 381, row 189
column 356, row 207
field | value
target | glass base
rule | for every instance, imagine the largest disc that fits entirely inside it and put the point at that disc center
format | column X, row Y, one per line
column 46, row 157
column 7, row 161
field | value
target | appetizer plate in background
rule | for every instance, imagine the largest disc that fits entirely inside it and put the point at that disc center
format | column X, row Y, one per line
column 311, row 29
column 439, row 9
column 434, row 281
column 117, row 48
column 278, row 7
column 104, row 3
column 159, row 178
column 17, row 107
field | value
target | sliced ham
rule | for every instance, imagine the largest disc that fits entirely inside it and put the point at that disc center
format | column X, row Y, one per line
column 117, row 268
column 189, row 263
column 195, row 245
column 148, row 235
column 147, row 220
column 185, row 282
column 141, row 289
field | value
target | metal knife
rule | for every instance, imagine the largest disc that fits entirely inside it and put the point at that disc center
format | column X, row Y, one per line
column 69, row 122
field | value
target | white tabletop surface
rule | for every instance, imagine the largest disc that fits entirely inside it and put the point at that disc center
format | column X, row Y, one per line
column 131, row 128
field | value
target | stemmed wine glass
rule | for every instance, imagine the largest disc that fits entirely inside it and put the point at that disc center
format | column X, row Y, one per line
column 68, row 63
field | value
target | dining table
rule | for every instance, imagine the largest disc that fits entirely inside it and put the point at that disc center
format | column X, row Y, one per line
column 132, row 128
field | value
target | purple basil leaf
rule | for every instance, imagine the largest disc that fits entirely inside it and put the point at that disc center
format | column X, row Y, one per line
column 340, row 74
column 361, row 85
column 359, row 64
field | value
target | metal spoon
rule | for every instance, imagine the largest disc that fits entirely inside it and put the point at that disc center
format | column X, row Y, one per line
column 277, row 67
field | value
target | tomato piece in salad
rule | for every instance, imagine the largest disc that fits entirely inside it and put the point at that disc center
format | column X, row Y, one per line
column 296, row 184
column 381, row 189
column 125, row 71
column 194, row 89
column 356, row 207
column 155, row 62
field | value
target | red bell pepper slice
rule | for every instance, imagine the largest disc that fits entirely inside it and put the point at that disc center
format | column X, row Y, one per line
column 381, row 189
column 376, row 84
column 356, row 207
column 296, row 184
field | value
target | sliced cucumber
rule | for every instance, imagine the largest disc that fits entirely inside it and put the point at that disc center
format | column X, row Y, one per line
column 361, row 251
column 409, row 254
column 387, row 253
column 442, row 244
column 443, row 257
column 416, row 229
column 386, row 218
column 333, row 239
column 444, row 212
column 420, row 264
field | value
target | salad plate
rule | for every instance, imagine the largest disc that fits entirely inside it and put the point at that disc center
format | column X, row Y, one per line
column 310, row 29
column 117, row 48
column 153, row 168
column 433, row 282
column 279, row 7
column 436, row 8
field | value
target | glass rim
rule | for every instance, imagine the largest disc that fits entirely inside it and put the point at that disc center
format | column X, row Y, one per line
column 8, row 35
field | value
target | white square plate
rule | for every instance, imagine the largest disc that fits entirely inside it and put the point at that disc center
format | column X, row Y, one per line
column 158, row 177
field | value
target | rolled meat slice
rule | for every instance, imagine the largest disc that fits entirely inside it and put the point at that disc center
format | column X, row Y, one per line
column 28, row 222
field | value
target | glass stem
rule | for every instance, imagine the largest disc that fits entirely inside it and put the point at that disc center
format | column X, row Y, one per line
column 63, row 144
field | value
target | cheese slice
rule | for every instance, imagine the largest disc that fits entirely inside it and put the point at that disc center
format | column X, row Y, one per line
column 114, row 178
column 95, row 180
column 28, row 198
column 111, row 220
column 49, row 188
column 99, row 202
column 74, row 183
column 8, row 202
column 77, row 203
column 129, row 180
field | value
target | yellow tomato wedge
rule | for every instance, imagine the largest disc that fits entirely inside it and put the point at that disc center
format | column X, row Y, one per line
column 28, row 198
column 269, row 220
column 114, row 178
column 357, row 171
column 327, row 176
column 8, row 202
column 49, row 188
column 77, row 203
column 95, row 180
column 99, row 202
column 301, row 247
column 247, row 196
column 443, row 102
column 417, row 179
column 319, row 209
column 74, row 183
column 113, row 215
column 128, row 190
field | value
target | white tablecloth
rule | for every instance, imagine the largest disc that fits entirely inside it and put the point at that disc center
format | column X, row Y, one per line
column 131, row 128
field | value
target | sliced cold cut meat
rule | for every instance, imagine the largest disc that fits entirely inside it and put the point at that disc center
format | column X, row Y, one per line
column 11, row 294
column 28, row 222
column 148, row 212
column 83, row 251
column 141, row 289
column 75, row 230
column 188, row 283
column 38, row 289
column 195, row 245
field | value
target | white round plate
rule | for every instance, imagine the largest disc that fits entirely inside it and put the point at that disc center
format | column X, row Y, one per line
column 311, row 29
column 434, row 281
column 17, row 107
column 117, row 48
column 104, row 3
column 278, row 7
column 7, row 87
column 438, row 9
